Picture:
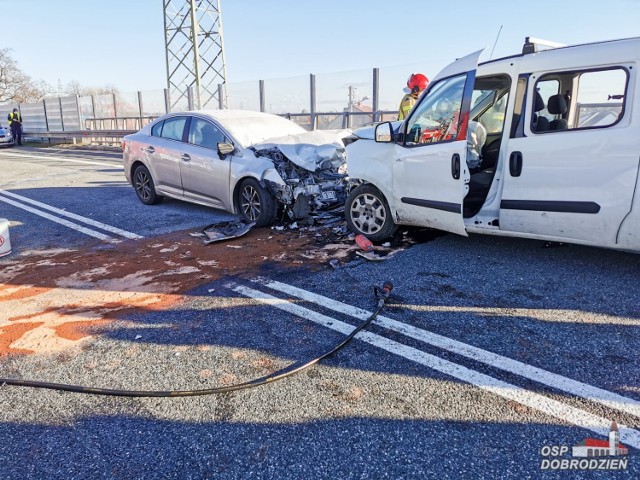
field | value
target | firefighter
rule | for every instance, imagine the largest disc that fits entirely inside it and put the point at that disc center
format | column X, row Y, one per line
column 416, row 84
column 15, row 123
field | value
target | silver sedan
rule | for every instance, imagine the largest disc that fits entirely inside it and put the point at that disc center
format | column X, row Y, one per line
column 255, row 164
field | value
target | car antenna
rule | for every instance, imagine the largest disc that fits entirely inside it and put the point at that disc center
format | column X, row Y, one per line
column 495, row 43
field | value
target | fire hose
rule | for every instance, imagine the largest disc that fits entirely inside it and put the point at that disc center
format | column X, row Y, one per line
column 382, row 295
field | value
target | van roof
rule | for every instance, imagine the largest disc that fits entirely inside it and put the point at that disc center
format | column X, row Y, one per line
column 564, row 47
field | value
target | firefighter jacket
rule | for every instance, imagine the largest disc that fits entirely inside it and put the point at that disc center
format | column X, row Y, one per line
column 407, row 103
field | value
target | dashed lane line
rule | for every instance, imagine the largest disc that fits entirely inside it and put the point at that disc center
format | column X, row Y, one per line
column 79, row 218
column 559, row 382
column 536, row 401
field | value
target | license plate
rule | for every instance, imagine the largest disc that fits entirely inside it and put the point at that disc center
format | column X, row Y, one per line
column 328, row 195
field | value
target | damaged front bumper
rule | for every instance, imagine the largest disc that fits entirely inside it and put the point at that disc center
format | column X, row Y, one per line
column 300, row 200
column 311, row 171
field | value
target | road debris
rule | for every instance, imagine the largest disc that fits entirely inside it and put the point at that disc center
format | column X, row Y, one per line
column 371, row 256
column 327, row 230
column 364, row 243
column 224, row 231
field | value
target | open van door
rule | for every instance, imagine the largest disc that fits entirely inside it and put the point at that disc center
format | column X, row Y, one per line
column 430, row 174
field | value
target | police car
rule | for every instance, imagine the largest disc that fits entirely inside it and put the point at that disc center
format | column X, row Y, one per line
column 6, row 139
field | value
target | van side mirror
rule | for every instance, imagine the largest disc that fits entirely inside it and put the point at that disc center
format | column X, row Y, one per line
column 384, row 132
column 225, row 149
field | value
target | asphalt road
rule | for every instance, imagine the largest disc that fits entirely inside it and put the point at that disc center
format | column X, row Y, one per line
column 493, row 349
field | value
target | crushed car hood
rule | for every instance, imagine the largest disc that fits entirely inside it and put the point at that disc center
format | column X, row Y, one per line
column 368, row 133
column 310, row 150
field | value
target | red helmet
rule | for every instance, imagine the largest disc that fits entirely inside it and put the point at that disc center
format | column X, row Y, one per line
column 417, row 81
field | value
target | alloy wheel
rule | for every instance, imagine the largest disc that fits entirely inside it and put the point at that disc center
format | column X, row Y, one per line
column 368, row 213
column 250, row 203
column 143, row 184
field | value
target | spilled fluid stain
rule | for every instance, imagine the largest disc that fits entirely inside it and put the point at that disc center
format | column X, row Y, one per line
column 57, row 300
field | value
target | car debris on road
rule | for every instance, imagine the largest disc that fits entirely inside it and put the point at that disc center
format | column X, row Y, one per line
column 224, row 231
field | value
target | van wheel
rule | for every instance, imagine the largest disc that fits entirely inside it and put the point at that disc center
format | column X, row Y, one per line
column 367, row 213
column 256, row 204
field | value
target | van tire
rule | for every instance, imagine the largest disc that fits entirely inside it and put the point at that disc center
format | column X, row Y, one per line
column 367, row 213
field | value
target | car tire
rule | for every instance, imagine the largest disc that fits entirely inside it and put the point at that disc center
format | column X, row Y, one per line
column 367, row 213
column 256, row 204
column 145, row 187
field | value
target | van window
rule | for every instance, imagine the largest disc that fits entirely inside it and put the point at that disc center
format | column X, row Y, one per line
column 436, row 118
column 600, row 98
column 582, row 99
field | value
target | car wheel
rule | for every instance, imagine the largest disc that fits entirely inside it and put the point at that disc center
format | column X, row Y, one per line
column 145, row 188
column 256, row 204
column 367, row 213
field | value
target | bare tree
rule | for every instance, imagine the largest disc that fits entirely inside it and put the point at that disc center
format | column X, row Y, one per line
column 108, row 88
column 15, row 85
column 74, row 88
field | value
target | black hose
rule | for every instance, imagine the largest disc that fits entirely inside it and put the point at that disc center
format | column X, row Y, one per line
column 272, row 377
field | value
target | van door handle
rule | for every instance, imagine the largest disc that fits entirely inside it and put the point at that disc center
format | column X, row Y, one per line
column 185, row 157
column 455, row 166
column 515, row 164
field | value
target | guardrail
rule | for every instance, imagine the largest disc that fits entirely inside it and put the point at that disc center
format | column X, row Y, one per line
column 345, row 119
column 332, row 120
column 103, row 136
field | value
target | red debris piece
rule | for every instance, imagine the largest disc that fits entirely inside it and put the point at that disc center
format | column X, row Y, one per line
column 364, row 243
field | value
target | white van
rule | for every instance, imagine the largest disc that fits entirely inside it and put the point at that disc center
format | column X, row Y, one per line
column 543, row 145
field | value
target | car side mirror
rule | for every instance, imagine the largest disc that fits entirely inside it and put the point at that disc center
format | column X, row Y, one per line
column 384, row 132
column 225, row 149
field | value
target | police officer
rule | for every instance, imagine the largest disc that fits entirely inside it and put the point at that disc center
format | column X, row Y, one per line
column 416, row 84
column 15, row 123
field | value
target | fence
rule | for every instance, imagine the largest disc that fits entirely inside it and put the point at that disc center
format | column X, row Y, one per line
column 322, row 101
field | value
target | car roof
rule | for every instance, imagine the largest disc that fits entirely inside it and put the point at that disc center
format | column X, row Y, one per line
column 247, row 127
column 230, row 114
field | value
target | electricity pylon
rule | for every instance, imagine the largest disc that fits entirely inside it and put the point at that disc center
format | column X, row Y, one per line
column 195, row 52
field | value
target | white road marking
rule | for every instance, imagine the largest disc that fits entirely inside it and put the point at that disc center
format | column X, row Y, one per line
column 565, row 384
column 74, row 216
column 66, row 223
column 61, row 159
column 536, row 401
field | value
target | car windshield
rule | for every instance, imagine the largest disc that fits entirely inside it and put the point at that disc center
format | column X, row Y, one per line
column 251, row 129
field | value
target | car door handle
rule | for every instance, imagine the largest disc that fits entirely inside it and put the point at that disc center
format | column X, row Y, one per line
column 149, row 149
column 515, row 164
column 455, row 166
column 185, row 157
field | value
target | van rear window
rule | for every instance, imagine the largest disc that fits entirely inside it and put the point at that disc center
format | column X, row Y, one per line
column 579, row 99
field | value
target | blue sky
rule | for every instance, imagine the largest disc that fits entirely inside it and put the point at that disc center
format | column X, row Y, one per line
column 120, row 42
